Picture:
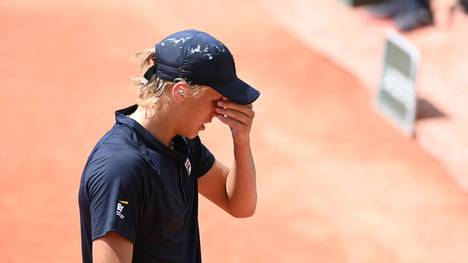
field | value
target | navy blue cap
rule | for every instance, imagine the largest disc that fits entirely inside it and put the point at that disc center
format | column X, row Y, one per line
column 201, row 59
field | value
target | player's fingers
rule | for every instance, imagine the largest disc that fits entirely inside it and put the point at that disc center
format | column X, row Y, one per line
column 234, row 114
column 230, row 121
column 245, row 109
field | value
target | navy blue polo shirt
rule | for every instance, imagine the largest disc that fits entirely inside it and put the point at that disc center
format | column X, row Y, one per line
column 134, row 185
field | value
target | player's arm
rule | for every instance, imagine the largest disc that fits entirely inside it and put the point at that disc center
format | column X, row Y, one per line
column 234, row 189
column 112, row 248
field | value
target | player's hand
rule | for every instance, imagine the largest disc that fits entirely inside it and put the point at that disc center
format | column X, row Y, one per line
column 238, row 117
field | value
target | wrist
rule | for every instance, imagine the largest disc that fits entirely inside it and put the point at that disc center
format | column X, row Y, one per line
column 242, row 143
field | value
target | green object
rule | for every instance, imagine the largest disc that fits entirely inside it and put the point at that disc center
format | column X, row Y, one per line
column 397, row 89
column 361, row 2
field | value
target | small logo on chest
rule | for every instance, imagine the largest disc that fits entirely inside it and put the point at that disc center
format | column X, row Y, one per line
column 188, row 166
column 120, row 207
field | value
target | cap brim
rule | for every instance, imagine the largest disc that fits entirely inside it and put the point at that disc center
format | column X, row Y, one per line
column 238, row 91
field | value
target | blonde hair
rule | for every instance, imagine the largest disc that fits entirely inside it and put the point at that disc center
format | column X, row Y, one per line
column 152, row 93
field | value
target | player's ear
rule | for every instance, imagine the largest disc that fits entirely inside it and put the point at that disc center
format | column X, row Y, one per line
column 180, row 91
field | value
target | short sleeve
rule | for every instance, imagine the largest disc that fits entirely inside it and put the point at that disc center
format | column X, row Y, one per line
column 206, row 158
column 115, row 194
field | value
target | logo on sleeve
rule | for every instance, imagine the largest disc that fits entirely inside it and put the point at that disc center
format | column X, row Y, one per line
column 120, row 208
column 188, row 166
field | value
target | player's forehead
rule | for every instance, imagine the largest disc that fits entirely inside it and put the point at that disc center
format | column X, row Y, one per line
column 210, row 93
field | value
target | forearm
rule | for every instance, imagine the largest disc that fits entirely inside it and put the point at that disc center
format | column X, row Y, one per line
column 241, row 182
column 241, row 189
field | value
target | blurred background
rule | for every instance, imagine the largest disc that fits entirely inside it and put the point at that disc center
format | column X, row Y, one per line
column 337, row 181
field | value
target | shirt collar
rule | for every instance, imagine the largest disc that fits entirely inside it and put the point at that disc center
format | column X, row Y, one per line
column 180, row 147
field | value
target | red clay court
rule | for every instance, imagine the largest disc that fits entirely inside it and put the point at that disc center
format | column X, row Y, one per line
column 337, row 182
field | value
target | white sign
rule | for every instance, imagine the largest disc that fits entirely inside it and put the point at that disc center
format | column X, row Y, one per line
column 397, row 90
